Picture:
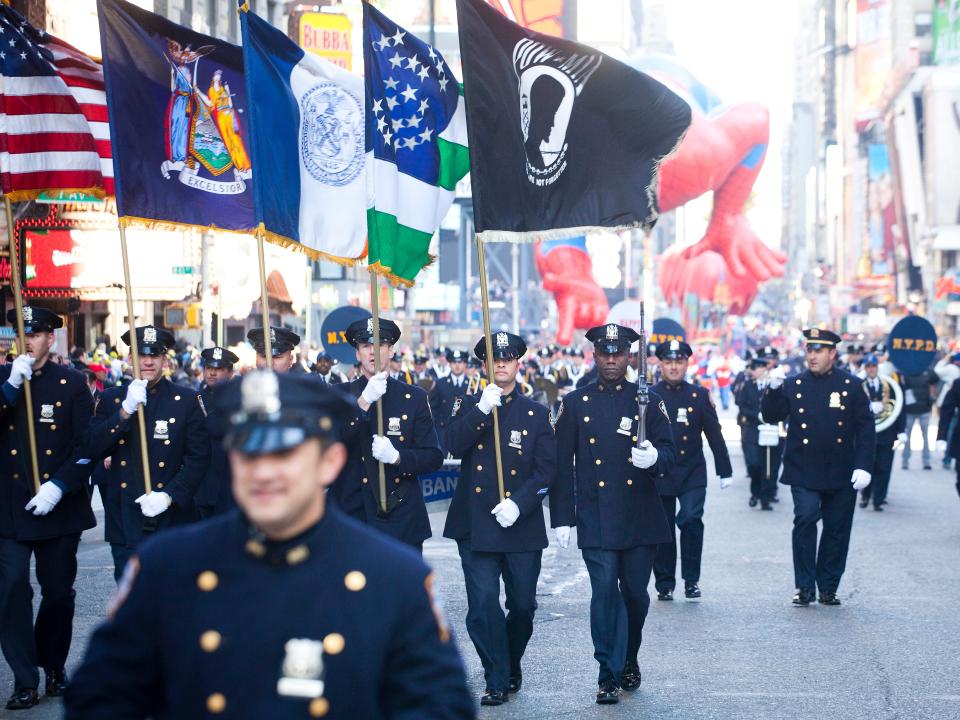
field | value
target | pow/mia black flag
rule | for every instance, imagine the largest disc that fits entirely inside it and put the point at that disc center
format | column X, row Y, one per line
column 563, row 139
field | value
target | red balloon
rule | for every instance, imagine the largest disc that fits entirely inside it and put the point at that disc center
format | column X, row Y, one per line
column 567, row 272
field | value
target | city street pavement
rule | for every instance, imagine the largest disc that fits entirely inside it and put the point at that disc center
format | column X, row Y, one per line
column 743, row 651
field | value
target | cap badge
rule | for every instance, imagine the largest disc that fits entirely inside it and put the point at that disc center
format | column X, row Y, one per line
column 260, row 393
column 674, row 345
column 502, row 340
column 218, row 353
column 815, row 332
column 273, row 336
column 370, row 325
column 149, row 335
column 27, row 314
column 302, row 668
column 612, row 332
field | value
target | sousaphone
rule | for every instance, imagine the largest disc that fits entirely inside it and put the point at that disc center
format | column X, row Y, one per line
column 891, row 395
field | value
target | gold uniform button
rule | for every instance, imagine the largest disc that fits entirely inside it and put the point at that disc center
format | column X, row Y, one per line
column 355, row 581
column 407, row 395
column 840, row 423
column 49, row 452
column 63, row 381
column 176, row 397
column 404, row 417
column 333, row 644
column 684, row 437
column 593, row 440
column 123, row 463
column 216, row 703
column 166, row 442
column 159, row 486
column 479, row 447
column 803, row 425
column 122, row 441
column 207, row 580
column 396, row 480
column 683, row 452
column 58, row 403
column 479, row 467
column 524, row 432
column 806, row 442
column 161, row 464
column 629, row 482
column 46, row 476
column 513, row 472
column 599, row 461
column 507, row 493
column 601, row 483
column 53, row 427
column 529, row 412
column 320, row 706
column 477, row 489
column 800, row 410
column 172, row 420
column 844, row 393
column 16, row 476
column 210, row 641
column 364, row 481
column 839, row 440
column 799, row 395
column 297, row 555
column 586, row 418
column 123, row 486
column 689, row 409
column 13, row 452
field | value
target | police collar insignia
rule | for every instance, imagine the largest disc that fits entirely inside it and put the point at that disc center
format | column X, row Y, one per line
column 502, row 340
column 218, row 354
column 612, row 332
column 27, row 314
column 149, row 335
column 260, row 393
column 303, row 668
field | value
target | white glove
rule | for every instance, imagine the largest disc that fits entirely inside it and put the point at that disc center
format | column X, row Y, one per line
column 860, row 479
column 22, row 370
column 776, row 377
column 941, row 444
column 563, row 535
column 154, row 503
column 384, row 451
column 507, row 513
column 136, row 396
column 725, row 482
column 876, row 407
column 644, row 456
column 45, row 500
column 902, row 438
column 376, row 388
column 490, row 398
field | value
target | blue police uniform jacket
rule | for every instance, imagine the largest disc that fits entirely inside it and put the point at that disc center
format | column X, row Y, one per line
column 215, row 489
column 747, row 395
column 408, row 424
column 528, row 452
column 947, row 411
column 443, row 396
column 62, row 410
column 209, row 618
column 831, row 429
column 614, row 505
column 692, row 415
column 178, row 449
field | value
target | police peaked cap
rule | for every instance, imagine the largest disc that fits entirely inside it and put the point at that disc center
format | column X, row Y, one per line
column 825, row 338
column 281, row 340
column 397, row 357
column 457, row 355
column 323, row 355
column 419, row 358
column 474, row 363
column 35, row 319
column 506, row 346
column 361, row 331
column 870, row 360
column 757, row 362
column 266, row 412
column 768, row 352
column 151, row 340
column 612, row 338
column 674, row 350
column 217, row 357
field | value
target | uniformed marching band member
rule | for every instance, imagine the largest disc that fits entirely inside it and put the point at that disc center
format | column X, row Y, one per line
column 577, row 367
column 881, row 395
column 407, row 449
column 213, row 497
column 692, row 415
column 398, row 372
column 448, row 389
column 282, row 344
column 831, row 443
column 178, row 449
column 46, row 525
column 501, row 536
column 282, row 608
column 606, row 487
column 763, row 463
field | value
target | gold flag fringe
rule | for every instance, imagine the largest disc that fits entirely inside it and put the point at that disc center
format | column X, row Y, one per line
column 396, row 280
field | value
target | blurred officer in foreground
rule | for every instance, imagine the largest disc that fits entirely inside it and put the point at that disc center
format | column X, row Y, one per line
column 45, row 524
column 949, row 442
column 828, row 457
column 214, row 495
column 692, row 415
column 282, row 344
column 606, row 487
column 501, row 536
column 283, row 608
column 882, row 398
column 178, row 449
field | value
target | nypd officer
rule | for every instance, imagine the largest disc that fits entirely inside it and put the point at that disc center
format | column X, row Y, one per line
column 449, row 388
column 501, row 536
column 408, row 448
column 282, row 344
column 763, row 464
column 882, row 397
column 178, row 449
column 606, row 486
column 828, row 457
column 46, row 525
column 692, row 415
column 213, row 496
column 283, row 608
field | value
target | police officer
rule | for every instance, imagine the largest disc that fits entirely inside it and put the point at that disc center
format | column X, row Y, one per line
column 178, row 449
column 948, row 442
column 828, row 457
column 763, row 463
column 449, row 388
column 881, row 394
column 283, row 608
column 606, row 486
column 408, row 448
column 46, row 525
column 323, row 367
column 692, row 415
column 501, row 536
column 397, row 371
column 282, row 344
column 213, row 496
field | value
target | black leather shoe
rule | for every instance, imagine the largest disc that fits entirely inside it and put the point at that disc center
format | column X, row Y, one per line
column 774, row 499
column 864, row 503
column 754, row 500
column 766, row 506
column 664, row 595
column 630, row 680
column 878, row 508
column 56, row 682
column 692, row 591
column 927, row 467
column 516, row 682
column 804, row 597
column 494, row 697
column 608, row 693
column 23, row 699
column 829, row 598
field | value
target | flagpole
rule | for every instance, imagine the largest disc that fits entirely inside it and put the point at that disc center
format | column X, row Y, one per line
column 488, row 338
column 135, row 359
column 375, row 311
column 22, row 341
column 264, row 303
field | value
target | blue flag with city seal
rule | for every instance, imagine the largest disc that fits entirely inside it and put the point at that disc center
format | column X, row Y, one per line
column 178, row 123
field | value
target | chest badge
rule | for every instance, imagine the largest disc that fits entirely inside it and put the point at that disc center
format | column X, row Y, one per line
column 393, row 426
column 302, row 669
column 46, row 413
column 161, row 430
column 515, row 437
column 626, row 426
column 834, row 399
column 682, row 415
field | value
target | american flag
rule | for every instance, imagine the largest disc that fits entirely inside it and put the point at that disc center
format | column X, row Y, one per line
column 54, row 129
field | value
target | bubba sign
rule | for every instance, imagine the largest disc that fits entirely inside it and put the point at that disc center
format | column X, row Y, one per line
column 327, row 35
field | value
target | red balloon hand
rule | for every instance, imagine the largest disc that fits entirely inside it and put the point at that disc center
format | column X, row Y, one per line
column 743, row 251
column 567, row 272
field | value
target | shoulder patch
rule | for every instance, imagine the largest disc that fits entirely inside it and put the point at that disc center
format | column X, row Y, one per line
column 124, row 587
column 663, row 409
column 457, row 402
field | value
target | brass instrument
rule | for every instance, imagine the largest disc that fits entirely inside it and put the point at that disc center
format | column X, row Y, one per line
column 891, row 395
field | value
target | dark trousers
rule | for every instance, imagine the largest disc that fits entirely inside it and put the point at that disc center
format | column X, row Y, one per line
column 821, row 567
column 763, row 485
column 618, row 604
column 958, row 477
column 500, row 640
column 689, row 520
column 880, row 477
column 27, row 646
column 121, row 555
